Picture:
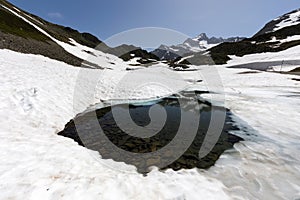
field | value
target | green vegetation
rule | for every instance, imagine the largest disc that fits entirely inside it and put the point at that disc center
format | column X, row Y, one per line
column 17, row 35
column 64, row 33
column 12, row 24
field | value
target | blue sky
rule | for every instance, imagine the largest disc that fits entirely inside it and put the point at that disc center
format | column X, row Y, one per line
column 105, row 18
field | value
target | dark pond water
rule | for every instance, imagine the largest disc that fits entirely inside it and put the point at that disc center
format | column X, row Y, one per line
column 170, row 145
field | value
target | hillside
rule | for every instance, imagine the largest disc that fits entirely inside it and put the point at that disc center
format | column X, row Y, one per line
column 278, row 35
column 23, row 32
column 25, row 37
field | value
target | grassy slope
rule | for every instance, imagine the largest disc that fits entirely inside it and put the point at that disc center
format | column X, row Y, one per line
column 20, row 36
column 11, row 24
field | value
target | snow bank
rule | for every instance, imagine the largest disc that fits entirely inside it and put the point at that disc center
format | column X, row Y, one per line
column 266, row 165
column 289, row 54
column 36, row 96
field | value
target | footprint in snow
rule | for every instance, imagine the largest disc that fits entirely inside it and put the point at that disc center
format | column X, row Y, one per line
column 24, row 99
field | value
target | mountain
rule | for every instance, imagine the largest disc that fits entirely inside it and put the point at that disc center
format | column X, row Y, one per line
column 20, row 36
column 26, row 33
column 279, row 34
column 289, row 19
column 191, row 45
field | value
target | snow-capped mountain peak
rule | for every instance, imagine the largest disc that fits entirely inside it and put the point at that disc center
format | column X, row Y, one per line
column 191, row 45
column 201, row 36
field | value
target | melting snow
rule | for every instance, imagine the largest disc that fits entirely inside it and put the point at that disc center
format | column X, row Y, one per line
column 288, row 39
column 289, row 54
column 292, row 20
column 36, row 96
column 37, row 101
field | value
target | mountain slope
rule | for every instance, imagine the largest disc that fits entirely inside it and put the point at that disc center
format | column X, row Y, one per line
column 22, row 37
column 278, row 35
column 26, row 33
column 289, row 19
column 129, row 52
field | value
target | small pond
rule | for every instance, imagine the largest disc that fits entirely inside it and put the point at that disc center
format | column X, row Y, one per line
column 101, row 132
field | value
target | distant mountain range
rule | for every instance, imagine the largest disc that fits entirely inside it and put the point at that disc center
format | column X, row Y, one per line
column 277, row 35
column 191, row 45
column 26, row 33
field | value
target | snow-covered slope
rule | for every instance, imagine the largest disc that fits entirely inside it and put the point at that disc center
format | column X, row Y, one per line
column 278, row 35
column 37, row 99
column 286, row 55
